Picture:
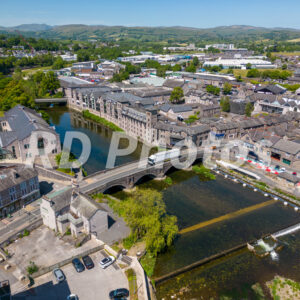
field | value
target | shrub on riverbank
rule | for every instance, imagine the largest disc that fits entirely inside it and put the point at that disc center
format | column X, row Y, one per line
column 86, row 114
column 204, row 173
column 145, row 213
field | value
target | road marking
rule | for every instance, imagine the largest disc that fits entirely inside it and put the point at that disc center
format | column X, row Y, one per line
column 226, row 217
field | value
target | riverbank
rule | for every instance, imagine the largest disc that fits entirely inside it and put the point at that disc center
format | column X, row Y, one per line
column 87, row 115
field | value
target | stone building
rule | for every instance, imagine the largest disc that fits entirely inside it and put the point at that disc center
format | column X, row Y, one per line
column 19, row 186
column 17, row 128
column 68, row 209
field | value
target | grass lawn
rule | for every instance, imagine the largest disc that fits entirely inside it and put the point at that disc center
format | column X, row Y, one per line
column 133, row 288
column 286, row 53
column 66, row 171
column 243, row 73
column 1, row 113
column 34, row 70
column 148, row 263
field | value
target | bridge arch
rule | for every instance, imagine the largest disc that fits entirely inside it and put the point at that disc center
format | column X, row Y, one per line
column 144, row 178
column 113, row 188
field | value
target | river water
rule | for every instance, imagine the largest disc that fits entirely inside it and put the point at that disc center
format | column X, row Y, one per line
column 193, row 201
column 65, row 120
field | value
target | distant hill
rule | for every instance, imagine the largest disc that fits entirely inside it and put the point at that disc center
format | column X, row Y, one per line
column 28, row 27
column 156, row 34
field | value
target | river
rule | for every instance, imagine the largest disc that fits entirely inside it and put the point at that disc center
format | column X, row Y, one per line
column 194, row 201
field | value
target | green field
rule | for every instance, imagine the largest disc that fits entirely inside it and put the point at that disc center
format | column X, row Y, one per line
column 34, row 70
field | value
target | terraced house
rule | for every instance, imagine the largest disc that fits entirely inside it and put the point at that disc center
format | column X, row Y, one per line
column 18, row 187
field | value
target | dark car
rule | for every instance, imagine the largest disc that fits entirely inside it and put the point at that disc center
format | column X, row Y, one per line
column 88, row 262
column 78, row 265
column 119, row 294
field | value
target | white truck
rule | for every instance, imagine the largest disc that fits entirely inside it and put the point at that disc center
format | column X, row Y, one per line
column 162, row 156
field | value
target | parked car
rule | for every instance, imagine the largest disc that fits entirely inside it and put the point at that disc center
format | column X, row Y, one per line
column 78, row 265
column 88, row 262
column 73, row 297
column 294, row 173
column 107, row 261
column 119, row 294
column 59, row 275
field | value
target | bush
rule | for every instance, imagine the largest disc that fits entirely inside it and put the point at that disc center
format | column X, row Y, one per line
column 32, row 268
column 86, row 114
column 204, row 173
column 26, row 232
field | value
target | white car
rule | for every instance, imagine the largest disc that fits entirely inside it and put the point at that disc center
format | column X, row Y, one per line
column 73, row 297
column 107, row 261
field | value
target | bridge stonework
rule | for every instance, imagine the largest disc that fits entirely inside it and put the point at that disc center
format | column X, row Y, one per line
column 127, row 181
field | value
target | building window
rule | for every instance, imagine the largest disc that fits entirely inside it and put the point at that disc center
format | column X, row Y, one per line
column 32, row 184
column 13, row 194
column 26, row 146
column 23, row 186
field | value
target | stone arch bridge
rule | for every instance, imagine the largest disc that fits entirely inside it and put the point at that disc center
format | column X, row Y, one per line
column 125, row 176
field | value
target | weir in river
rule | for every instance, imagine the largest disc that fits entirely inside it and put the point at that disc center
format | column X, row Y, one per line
column 226, row 217
column 286, row 231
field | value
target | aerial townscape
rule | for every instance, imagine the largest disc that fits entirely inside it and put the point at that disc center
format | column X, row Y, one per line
column 157, row 159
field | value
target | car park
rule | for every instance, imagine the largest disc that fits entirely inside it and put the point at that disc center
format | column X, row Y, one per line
column 119, row 294
column 107, row 261
column 59, row 275
column 78, row 265
column 88, row 262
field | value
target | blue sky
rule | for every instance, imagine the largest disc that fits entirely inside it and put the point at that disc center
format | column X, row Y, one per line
column 192, row 13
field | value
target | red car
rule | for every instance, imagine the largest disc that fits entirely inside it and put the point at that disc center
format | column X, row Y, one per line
column 294, row 173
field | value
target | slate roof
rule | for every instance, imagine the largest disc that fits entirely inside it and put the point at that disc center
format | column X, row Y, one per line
column 172, row 83
column 272, row 88
column 153, row 92
column 287, row 147
column 176, row 108
column 60, row 199
column 85, row 206
column 22, row 121
column 10, row 177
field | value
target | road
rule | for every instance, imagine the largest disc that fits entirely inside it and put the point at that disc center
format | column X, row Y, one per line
column 108, row 176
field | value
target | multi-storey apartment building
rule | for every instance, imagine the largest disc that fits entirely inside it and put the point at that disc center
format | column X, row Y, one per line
column 18, row 187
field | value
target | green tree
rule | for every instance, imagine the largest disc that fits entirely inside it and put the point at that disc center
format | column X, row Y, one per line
column 196, row 61
column 225, row 104
column 213, row 90
column 284, row 67
column 177, row 68
column 58, row 63
column 145, row 213
column 227, row 88
column 177, row 95
column 248, row 66
column 253, row 73
column 50, row 83
column 249, row 109
column 191, row 68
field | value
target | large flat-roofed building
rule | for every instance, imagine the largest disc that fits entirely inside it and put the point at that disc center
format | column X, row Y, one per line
column 18, row 187
column 240, row 63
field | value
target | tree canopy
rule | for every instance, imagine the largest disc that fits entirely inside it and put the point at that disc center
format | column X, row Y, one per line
column 177, row 95
column 145, row 213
